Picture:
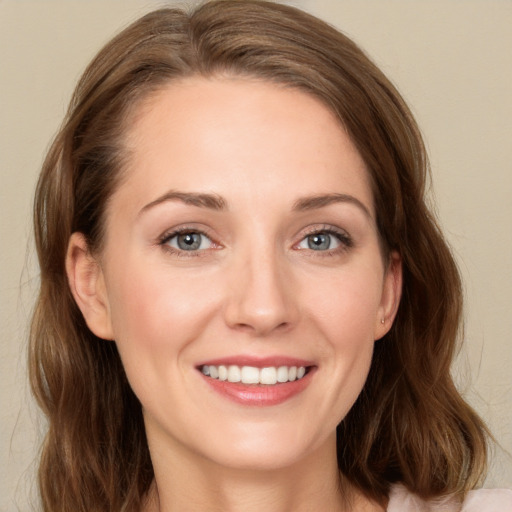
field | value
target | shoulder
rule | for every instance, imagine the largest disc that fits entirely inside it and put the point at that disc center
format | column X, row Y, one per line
column 492, row 500
column 482, row 500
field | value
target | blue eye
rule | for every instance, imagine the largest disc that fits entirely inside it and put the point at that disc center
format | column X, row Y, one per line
column 319, row 241
column 189, row 241
column 326, row 240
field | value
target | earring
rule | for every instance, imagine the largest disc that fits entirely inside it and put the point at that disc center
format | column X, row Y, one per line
column 382, row 320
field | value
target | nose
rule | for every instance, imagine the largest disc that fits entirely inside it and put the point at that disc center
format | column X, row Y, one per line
column 261, row 298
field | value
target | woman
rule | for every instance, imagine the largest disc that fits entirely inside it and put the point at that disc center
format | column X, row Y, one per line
column 244, row 299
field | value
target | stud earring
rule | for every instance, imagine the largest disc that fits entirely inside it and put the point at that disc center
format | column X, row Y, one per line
column 382, row 320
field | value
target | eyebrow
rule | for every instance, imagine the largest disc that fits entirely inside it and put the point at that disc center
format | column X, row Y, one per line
column 218, row 203
column 201, row 200
column 322, row 200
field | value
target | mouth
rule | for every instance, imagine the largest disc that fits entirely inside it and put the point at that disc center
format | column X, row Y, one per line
column 260, row 385
column 252, row 375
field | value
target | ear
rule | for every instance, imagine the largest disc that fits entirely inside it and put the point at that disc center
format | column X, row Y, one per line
column 391, row 293
column 87, row 285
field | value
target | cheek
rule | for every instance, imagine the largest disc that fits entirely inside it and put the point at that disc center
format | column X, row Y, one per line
column 345, row 311
column 346, row 304
column 156, row 311
column 154, row 318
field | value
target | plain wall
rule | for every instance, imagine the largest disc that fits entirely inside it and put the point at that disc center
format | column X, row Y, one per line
column 452, row 61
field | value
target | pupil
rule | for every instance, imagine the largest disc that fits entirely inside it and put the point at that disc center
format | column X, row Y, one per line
column 319, row 241
column 189, row 241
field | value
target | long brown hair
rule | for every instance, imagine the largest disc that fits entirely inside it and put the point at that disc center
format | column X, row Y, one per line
column 409, row 424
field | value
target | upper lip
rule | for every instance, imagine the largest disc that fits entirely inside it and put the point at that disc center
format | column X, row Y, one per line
column 257, row 362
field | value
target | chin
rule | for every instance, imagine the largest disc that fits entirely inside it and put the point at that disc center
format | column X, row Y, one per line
column 269, row 449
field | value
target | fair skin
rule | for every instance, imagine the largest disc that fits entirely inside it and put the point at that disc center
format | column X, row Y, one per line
column 243, row 233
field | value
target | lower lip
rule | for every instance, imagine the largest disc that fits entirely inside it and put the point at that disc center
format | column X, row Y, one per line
column 259, row 395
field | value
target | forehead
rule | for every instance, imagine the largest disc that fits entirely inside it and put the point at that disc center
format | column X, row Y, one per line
column 239, row 136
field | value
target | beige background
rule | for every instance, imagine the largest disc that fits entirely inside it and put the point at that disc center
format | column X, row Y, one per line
column 452, row 61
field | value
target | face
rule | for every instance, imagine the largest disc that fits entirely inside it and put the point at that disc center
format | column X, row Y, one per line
column 241, row 244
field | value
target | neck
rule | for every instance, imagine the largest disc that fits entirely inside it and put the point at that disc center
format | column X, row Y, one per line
column 193, row 483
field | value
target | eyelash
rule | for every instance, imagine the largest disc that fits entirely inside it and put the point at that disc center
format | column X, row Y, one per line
column 163, row 241
column 341, row 236
column 345, row 240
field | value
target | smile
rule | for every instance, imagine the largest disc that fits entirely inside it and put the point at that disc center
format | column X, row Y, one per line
column 269, row 376
column 262, row 385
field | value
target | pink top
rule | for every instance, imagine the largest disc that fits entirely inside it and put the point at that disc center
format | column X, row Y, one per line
column 482, row 500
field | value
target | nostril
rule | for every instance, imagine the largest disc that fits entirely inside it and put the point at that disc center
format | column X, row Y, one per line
column 260, row 302
column 258, row 327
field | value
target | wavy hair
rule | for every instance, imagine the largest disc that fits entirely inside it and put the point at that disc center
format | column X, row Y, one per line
column 409, row 424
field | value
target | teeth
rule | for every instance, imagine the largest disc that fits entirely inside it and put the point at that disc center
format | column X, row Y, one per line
column 234, row 374
column 251, row 375
column 268, row 376
column 223, row 373
column 282, row 374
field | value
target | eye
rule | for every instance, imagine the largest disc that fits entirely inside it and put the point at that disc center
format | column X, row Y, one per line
column 188, row 241
column 319, row 242
column 325, row 240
